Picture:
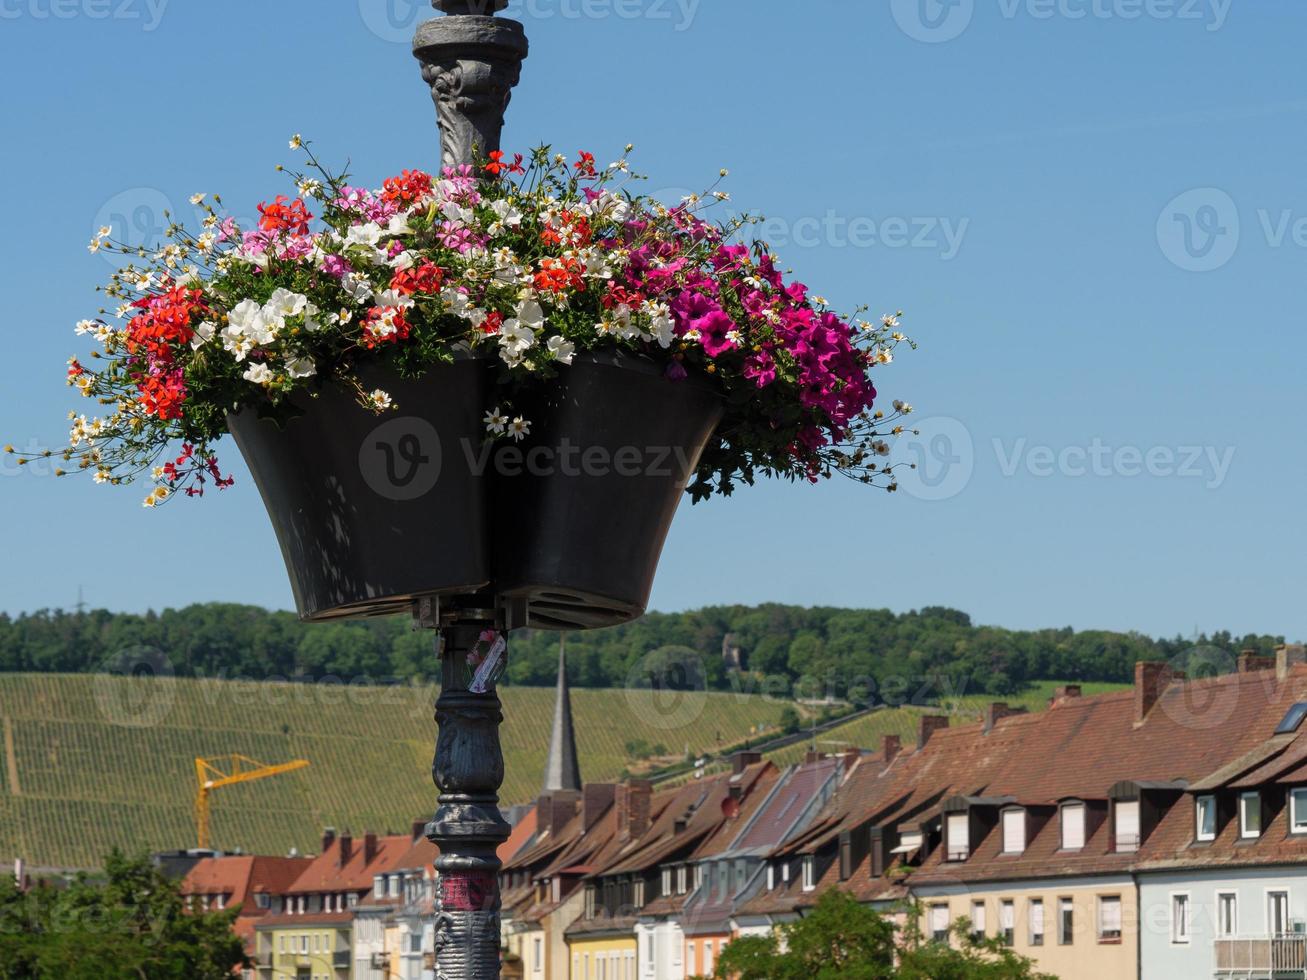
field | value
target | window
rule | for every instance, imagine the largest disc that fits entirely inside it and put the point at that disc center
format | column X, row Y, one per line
column 785, row 872
column 537, row 952
column 978, row 919
column 1227, row 914
column 692, row 959
column 771, row 877
column 1066, row 922
column 222, row 902
column 682, row 878
column 1180, row 919
column 379, row 886
column 1007, row 921
column 415, row 945
column 1109, row 919
column 589, row 902
column 1250, row 815
column 1036, row 922
column 1073, row 827
column 707, row 957
column 698, row 875
column 1277, row 913
column 666, row 881
column 809, row 873
column 939, row 923
column 1205, row 812
column 957, row 832
column 1127, row 826
column 576, row 963
column 393, row 886
column 639, row 894
column 1298, row 811
column 1014, row 831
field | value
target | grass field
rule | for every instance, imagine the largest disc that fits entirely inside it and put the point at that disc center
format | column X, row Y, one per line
column 92, row 762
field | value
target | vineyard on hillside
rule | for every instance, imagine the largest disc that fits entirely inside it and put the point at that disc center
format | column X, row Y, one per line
column 93, row 762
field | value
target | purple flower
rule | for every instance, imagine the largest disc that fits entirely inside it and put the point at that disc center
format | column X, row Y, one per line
column 335, row 265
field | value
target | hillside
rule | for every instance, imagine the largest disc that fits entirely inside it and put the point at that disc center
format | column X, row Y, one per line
column 95, row 762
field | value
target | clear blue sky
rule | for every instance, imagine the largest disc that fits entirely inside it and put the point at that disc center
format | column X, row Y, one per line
column 1081, row 306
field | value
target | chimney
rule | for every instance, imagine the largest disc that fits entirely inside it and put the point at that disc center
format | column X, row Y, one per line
column 554, row 810
column 890, row 747
column 850, row 757
column 597, row 798
column 741, row 761
column 369, row 847
column 328, row 837
column 813, row 756
column 346, row 849
column 1251, row 660
column 997, row 711
column 634, row 806
column 927, row 726
column 1287, row 657
column 419, row 830
column 1152, row 678
column 1065, row 693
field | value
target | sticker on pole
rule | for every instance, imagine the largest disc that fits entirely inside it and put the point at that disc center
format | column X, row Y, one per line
column 467, row 891
column 486, row 661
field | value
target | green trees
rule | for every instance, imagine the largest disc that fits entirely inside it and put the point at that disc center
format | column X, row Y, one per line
column 843, row 940
column 129, row 924
column 862, row 655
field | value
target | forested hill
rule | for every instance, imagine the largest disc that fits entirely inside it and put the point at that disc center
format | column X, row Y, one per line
column 845, row 652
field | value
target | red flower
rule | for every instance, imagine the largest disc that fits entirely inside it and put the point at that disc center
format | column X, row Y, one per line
column 559, row 275
column 493, row 323
column 497, row 165
column 385, row 325
column 290, row 217
column 163, row 395
column 585, row 166
column 408, row 188
column 424, row 278
column 621, row 296
column 75, row 368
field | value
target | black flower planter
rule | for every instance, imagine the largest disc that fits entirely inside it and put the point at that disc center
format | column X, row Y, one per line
column 584, row 505
column 373, row 511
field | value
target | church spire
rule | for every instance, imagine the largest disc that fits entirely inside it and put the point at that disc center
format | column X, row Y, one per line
column 562, row 771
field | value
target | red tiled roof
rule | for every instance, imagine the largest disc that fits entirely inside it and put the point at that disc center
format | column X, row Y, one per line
column 326, row 873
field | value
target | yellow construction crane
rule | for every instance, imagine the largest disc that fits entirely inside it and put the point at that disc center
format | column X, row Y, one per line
column 227, row 770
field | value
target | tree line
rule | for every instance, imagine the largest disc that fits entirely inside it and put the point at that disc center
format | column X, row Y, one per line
column 857, row 654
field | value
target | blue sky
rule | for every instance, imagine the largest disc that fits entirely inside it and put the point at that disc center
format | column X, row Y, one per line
column 1092, row 211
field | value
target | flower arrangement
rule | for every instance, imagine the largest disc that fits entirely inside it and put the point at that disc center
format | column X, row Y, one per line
column 526, row 261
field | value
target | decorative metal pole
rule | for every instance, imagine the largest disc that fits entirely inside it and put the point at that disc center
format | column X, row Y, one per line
column 472, row 60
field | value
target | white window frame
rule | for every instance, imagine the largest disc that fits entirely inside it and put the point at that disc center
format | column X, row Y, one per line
column 1066, row 937
column 1019, row 816
column 1036, row 938
column 957, row 825
column 978, row 917
column 771, row 876
column 666, row 882
column 809, row 873
column 1221, row 931
column 1066, row 809
column 1246, row 832
column 707, row 957
column 1298, row 810
column 1181, row 925
column 1199, row 833
column 1126, row 842
column 1007, row 921
column 1288, row 911
column 936, row 933
column 1103, row 936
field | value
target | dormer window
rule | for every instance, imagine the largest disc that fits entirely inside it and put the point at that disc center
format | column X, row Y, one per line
column 667, row 881
column 957, row 833
column 1298, row 811
column 1014, row 831
column 1250, row 816
column 682, row 880
column 1073, row 827
column 379, row 886
column 1205, row 817
column 263, row 900
column 771, row 877
column 1127, row 826
column 809, row 873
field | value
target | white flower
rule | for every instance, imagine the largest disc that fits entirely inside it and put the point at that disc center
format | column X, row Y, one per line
column 456, row 213
column 661, row 323
column 251, row 320
column 734, row 337
column 404, row 260
column 367, row 234
column 519, row 429
column 399, row 224
column 309, row 187
column 301, row 367
column 357, row 288
column 197, row 199
column 455, row 300
column 392, row 298
column 506, row 213
column 296, row 141
column 531, row 313
column 206, row 241
column 86, row 326
column 380, row 400
column 561, row 349
column 258, row 374
column 203, row 334
column 284, row 303
column 515, row 338
column 495, row 423
column 890, row 320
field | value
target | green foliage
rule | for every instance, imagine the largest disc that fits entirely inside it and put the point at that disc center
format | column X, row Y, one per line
column 841, row 939
column 127, row 924
column 862, row 655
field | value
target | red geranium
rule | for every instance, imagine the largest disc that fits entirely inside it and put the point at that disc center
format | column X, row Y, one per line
column 285, row 215
column 408, row 188
column 425, row 278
